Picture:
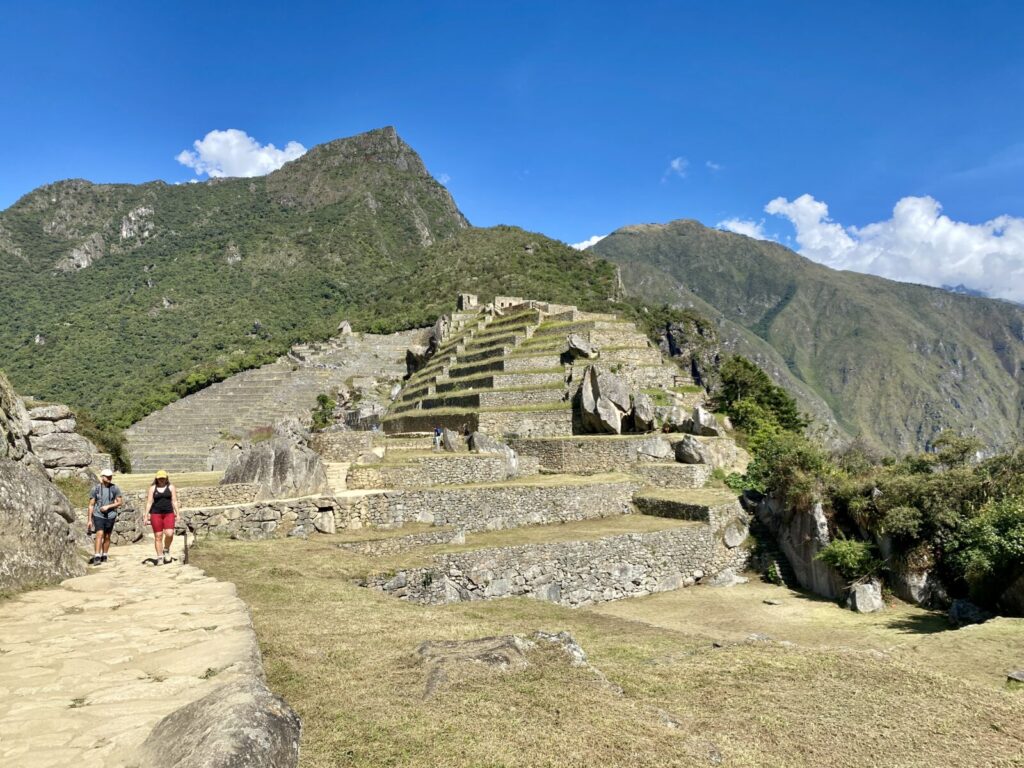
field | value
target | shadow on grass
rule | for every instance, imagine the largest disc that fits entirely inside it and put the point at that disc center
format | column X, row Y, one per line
column 921, row 623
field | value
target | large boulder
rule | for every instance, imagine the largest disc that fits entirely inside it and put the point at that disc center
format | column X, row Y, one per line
column 452, row 441
column 704, row 423
column 604, row 401
column 63, row 450
column 416, row 357
column 37, row 544
column 282, row 468
column 964, row 612
column 689, row 450
column 865, row 597
column 481, row 443
column 643, row 413
column 579, row 348
column 654, row 449
column 238, row 724
column 673, row 419
column 15, row 426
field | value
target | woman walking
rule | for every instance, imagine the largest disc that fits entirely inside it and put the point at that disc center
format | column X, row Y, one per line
column 161, row 507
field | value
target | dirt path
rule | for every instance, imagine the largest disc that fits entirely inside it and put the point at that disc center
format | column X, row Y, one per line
column 88, row 668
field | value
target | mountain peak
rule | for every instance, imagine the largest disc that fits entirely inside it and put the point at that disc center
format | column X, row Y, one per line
column 378, row 146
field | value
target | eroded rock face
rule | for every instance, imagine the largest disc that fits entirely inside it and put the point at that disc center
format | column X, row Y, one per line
column 239, row 724
column 37, row 543
column 282, row 468
column 801, row 536
column 452, row 441
column 704, row 423
column 63, row 450
column 14, row 425
column 493, row 654
column 604, row 402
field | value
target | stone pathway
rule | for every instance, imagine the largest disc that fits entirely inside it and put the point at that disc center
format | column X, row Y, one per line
column 89, row 667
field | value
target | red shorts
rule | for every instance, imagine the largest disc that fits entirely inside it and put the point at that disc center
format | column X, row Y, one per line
column 162, row 521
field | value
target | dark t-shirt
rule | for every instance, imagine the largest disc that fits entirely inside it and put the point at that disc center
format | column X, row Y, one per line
column 104, row 495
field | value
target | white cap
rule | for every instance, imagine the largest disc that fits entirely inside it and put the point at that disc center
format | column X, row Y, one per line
column 107, row 473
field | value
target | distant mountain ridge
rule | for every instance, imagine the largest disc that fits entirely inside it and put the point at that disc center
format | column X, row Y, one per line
column 892, row 362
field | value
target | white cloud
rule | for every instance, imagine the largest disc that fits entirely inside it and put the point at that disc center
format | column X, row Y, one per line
column 443, row 178
column 754, row 229
column 712, row 166
column 235, row 153
column 677, row 166
column 918, row 244
column 588, row 242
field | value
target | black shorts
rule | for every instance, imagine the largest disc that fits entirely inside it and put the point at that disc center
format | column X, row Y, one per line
column 103, row 523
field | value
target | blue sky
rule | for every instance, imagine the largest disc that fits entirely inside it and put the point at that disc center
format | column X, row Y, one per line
column 572, row 118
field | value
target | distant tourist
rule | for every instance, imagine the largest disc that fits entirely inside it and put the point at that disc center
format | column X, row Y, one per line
column 104, row 501
column 437, row 438
column 161, row 507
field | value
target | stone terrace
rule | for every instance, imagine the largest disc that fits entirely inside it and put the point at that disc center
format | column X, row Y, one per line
column 198, row 432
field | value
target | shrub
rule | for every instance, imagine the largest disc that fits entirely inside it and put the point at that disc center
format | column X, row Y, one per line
column 989, row 549
column 323, row 413
column 852, row 558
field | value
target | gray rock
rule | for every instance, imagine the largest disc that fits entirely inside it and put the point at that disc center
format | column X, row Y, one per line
column 735, row 534
column 489, row 654
column 704, row 423
column 239, row 724
column 673, row 419
column 615, row 389
column 37, row 538
column 801, row 536
column 345, row 328
column 654, row 449
column 726, row 578
column 293, row 430
column 452, row 441
column 643, row 413
column 60, row 449
column 964, row 612
column 416, row 357
column 55, row 412
column 866, row 597
column 691, row 451
column 14, row 426
column 580, row 349
column 481, row 443
column 598, row 412
column 280, row 467
column 1016, row 676
column 577, row 656
column 608, row 416
column 772, row 602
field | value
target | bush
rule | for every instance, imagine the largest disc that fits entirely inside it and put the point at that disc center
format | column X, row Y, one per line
column 989, row 549
column 852, row 558
column 323, row 413
column 750, row 398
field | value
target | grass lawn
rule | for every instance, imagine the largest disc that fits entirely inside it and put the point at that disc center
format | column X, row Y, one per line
column 879, row 691
column 142, row 480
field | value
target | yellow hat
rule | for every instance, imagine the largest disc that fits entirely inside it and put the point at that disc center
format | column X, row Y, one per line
column 161, row 475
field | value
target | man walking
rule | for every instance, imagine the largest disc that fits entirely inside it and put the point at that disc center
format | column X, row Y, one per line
column 104, row 502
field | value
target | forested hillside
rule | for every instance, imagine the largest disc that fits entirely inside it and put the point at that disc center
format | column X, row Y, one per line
column 120, row 298
column 894, row 363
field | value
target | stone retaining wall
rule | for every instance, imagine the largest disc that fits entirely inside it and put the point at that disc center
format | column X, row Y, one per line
column 520, row 397
column 589, row 455
column 526, row 423
column 204, row 496
column 264, row 519
column 672, row 475
column 342, row 446
column 572, row 573
column 443, row 469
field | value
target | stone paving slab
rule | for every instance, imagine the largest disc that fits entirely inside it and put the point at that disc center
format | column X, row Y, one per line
column 89, row 667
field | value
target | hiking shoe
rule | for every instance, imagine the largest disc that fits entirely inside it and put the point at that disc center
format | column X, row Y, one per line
column 94, row 560
column 167, row 559
column 103, row 558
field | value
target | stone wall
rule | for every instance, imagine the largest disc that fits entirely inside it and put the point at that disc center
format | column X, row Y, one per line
column 487, row 507
column 342, row 446
column 572, row 573
column 443, row 469
column 204, row 496
column 520, row 397
column 672, row 475
column 264, row 519
column 526, row 423
column 586, row 454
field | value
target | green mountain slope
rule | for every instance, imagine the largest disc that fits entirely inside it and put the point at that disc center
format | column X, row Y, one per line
column 118, row 297
column 893, row 362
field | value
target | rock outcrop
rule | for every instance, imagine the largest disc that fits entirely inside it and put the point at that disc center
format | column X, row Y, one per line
column 284, row 466
column 801, row 536
column 866, row 597
column 15, row 426
column 239, row 724
column 37, row 543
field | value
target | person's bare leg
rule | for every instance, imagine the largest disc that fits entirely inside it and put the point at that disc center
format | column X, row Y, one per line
column 98, row 544
column 106, row 542
column 158, row 542
column 168, row 538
